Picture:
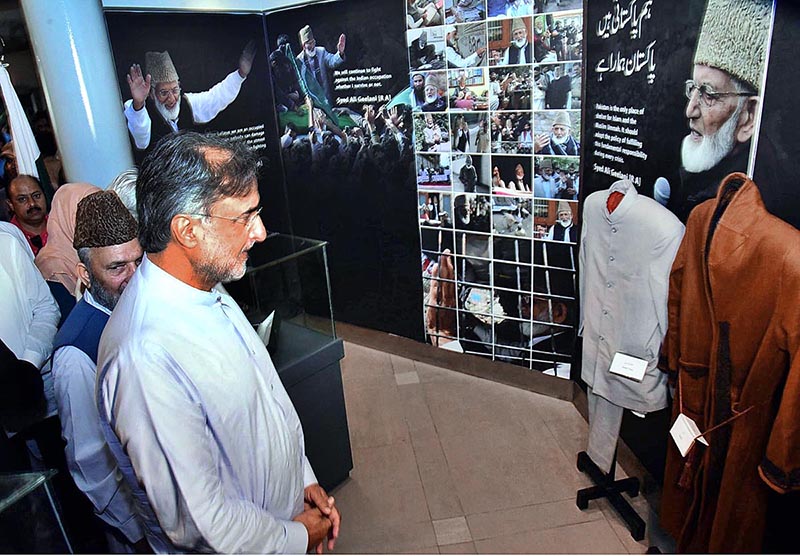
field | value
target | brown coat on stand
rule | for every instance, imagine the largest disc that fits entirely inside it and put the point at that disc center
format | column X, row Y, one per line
column 734, row 339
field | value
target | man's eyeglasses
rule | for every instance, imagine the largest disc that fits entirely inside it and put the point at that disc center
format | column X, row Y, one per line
column 249, row 220
column 707, row 93
column 162, row 94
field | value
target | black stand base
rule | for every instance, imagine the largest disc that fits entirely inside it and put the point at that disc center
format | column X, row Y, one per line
column 607, row 487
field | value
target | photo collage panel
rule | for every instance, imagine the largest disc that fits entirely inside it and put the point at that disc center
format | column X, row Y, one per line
column 495, row 87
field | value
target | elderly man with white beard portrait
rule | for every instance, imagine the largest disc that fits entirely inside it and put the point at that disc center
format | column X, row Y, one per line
column 563, row 229
column 559, row 141
column 722, row 98
column 158, row 106
column 434, row 102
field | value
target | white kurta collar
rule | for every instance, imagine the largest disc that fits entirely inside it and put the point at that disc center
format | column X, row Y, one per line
column 173, row 289
column 627, row 188
column 89, row 298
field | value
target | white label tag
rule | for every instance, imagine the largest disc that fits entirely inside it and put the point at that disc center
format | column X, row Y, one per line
column 628, row 366
column 265, row 328
column 684, row 432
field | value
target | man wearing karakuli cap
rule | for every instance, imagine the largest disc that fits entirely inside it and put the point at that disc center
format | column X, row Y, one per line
column 109, row 253
column 520, row 50
column 545, row 181
column 434, row 102
column 159, row 107
column 722, row 98
column 559, row 141
column 563, row 230
column 318, row 63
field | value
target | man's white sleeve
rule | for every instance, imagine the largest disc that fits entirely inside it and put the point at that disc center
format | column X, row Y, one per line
column 89, row 459
column 39, row 343
column 138, row 124
column 455, row 59
column 206, row 105
column 309, row 478
column 333, row 60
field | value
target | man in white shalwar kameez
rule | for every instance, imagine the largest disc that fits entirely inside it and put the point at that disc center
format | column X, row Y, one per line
column 187, row 383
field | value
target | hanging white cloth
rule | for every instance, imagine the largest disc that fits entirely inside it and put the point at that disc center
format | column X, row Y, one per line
column 25, row 147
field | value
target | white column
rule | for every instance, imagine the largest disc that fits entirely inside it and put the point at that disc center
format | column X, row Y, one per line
column 75, row 65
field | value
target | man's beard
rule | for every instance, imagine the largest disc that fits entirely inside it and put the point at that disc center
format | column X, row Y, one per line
column 566, row 223
column 103, row 296
column 713, row 148
column 310, row 53
column 220, row 266
column 559, row 140
column 170, row 115
column 430, row 99
column 520, row 43
column 547, row 177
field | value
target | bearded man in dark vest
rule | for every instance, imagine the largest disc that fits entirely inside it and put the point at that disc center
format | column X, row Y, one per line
column 109, row 253
column 158, row 107
column 563, row 229
column 520, row 50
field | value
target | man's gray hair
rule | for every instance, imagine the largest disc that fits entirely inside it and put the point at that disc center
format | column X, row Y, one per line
column 125, row 187
column 186, row 173
column 84, row 256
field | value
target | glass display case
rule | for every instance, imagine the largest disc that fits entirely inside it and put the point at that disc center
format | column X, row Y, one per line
column 288, row 276
column 285, row 294
column 30, row 521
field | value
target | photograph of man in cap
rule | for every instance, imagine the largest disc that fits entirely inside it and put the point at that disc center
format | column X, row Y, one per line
column 722, row 97
column 520, row 51
column 317, row 63
column 159, row 107
column 434, row 101
column 109, row 253
column 563, row 229
column 560, row 140
column 452, row 49
column 422, row 49
column 545, row 181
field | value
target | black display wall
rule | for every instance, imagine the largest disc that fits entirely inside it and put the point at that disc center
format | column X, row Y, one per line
column 362, row 198
column 777, row 163
column 205, row 48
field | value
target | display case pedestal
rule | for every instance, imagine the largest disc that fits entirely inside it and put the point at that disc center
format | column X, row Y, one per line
column 308, row 366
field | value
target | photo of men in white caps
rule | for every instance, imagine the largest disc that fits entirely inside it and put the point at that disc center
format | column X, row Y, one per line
column 722, row 98
column 158, row 106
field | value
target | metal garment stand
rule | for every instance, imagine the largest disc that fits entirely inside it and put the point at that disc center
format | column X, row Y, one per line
column 607, row 487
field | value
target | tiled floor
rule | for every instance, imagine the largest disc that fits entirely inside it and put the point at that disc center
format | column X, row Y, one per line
column 445, row 463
